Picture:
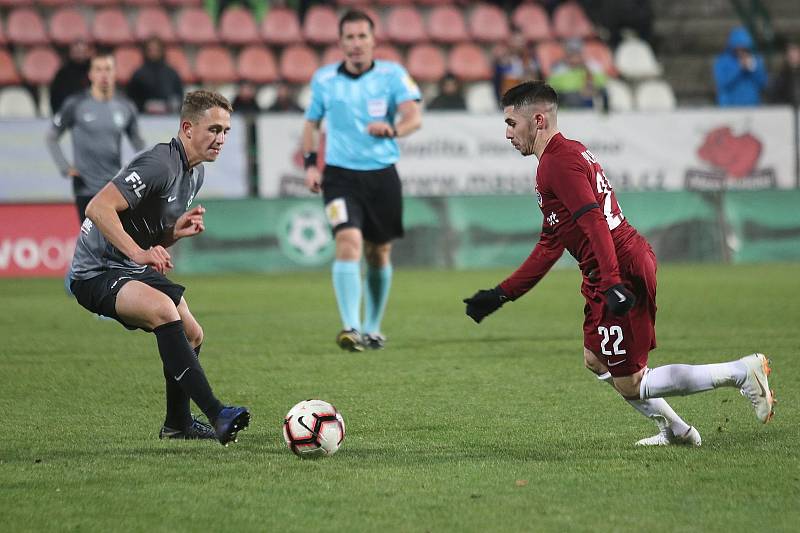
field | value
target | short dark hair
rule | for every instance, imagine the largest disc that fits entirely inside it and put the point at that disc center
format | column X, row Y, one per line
column 530, row 92
column 354, row 15
column 102, row 53
column 196, row 103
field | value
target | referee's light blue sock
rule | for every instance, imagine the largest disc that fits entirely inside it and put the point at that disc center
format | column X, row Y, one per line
column 347, row 286
column 376, row 287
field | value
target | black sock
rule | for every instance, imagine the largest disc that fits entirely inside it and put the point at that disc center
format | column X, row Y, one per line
column 179, row 413
column 182, row 365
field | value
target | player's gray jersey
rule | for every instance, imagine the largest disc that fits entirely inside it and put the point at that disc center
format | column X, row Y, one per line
column 96, row 128
column 159, row 187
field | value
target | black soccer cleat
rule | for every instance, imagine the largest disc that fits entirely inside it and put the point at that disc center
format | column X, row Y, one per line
column 350, row 340
column 374, row 341
column 230, row 421
column 196, row 430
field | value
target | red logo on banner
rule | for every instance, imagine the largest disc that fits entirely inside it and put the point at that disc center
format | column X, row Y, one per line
column 37, row 240
column 736, row 155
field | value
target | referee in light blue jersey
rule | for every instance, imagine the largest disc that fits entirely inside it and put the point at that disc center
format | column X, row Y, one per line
column 366, row 104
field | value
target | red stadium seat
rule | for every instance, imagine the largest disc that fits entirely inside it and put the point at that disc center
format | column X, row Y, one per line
column 154, row 22
column 142, row 3
column 52, row 3
column 332, row 54
column 488, row 24
column 214, row 65
column 110, row 27
column 127, row 59
column 435, row 2
column 26, row 28
column 281, row 26
column 184, row 3
column 446, row 25
column 404, row 25
column 256, row 63
column 176, row 58
column 238, row 27
column 298, row 63
column 100, row 3
column 468, row 63
column 426, row 63
column 570, row 22
column 40, row 65
column 3, row 38
column 15, row 3
column 67, row 25
column 388, row 52
column 194, row 26
column 533, row 21
column 393, row 2
column 352, row 3
column 548, row 53
column 8, row 70
column 321, row 25
column 598, row 52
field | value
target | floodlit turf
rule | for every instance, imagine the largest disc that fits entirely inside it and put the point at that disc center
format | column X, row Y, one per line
column 454, row 427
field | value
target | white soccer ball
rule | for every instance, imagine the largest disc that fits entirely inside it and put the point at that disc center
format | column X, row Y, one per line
column 313, row 428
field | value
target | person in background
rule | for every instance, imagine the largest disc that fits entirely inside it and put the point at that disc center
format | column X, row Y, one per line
column 73, row 75
column 285, row 100
column 245, row 100
column 513, row 63
column 367, row 104
column 155, row 87
column 578, row 82
column 97, row 120
column 450, row 96
column 739, row 72
column 786, row 87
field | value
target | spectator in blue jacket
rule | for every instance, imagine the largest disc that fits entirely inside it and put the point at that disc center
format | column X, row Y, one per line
column 739, row 73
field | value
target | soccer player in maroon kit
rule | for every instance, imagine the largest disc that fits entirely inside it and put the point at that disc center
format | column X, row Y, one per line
column 581, row 215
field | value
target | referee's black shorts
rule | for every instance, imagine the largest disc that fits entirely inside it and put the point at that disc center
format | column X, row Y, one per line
column 371, row 200
column 99, row 294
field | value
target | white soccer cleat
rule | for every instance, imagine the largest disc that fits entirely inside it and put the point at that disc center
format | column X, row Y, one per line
column 756, row 386
column 667, row 438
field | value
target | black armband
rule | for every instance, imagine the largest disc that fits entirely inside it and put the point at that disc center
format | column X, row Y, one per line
column 309, row 159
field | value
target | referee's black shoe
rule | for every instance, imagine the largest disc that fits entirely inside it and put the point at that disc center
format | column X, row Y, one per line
column 195, row 430
column 229, row 422
column 350, row 340
column 374, row 341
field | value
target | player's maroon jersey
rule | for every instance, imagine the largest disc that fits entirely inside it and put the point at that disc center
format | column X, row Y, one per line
column 581, row 215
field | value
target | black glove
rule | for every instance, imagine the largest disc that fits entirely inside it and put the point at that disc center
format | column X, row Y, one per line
column 485, row 302
column 619, row 299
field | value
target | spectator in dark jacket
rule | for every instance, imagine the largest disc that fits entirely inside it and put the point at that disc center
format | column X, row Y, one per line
column 739, row 72
column 786, row 88
column 449, row 97
column 155, row 87
column 72, row 77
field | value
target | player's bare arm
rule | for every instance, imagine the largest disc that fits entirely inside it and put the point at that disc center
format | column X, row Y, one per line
column 104, row 211
column 410, row 121
column 310, row 146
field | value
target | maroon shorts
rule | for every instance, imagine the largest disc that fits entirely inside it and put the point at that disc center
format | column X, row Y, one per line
column 623, row 342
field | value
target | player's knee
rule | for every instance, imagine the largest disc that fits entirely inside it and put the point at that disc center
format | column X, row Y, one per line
column 194, row 334
column 163, row 311
column 377, row 255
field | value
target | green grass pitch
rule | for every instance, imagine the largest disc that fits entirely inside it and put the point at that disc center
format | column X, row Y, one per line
column 454, row 427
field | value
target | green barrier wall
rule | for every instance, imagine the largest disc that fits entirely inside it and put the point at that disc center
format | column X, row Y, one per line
column 494, row 231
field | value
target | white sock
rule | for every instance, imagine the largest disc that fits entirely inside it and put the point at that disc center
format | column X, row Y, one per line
column 680, row 380
column 656, row 409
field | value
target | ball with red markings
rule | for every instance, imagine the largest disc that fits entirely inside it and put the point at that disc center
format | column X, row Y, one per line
column 313, row 428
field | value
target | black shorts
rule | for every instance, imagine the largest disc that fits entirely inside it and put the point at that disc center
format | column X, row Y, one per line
column 99, row 294
column 371, row 200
